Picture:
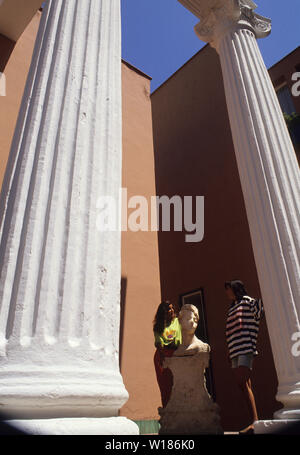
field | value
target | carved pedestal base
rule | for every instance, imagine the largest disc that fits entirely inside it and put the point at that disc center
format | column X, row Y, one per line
column 190, row 409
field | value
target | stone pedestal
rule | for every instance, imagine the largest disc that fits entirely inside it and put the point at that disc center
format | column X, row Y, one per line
column 269, row 175
column 60, row 276
column 190, row 409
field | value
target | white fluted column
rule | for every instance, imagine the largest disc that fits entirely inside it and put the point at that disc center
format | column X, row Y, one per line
column 60, row 276
column 269, row 175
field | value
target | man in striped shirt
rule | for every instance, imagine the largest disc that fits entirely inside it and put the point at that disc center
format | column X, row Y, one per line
column 241, row 333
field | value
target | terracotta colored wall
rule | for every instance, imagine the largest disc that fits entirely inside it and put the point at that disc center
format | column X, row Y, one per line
column 15, row 71
column 140, row 263
column 283, row 71
column 195, row 156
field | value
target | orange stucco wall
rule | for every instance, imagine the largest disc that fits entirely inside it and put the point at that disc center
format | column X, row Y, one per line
column 283, row 71
column 15, row 69
column 140, row 263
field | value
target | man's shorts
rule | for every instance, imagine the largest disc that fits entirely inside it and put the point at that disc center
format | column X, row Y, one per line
column 243, row 360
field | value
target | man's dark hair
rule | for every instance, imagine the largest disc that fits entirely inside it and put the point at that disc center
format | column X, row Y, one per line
column 238, row 288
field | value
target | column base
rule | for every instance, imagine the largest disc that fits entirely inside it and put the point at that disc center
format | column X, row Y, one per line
column 280, row 427
column 115, row 426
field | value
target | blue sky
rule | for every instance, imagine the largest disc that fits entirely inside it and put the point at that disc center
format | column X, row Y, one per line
column 158, row 36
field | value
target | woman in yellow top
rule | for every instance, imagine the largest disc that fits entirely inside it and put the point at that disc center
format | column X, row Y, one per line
column 167, row 336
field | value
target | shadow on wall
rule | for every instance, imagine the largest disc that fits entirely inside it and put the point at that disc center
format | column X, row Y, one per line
column 7, row 46
column 122, row 316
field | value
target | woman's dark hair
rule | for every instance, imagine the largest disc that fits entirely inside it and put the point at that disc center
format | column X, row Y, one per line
column 238, row 288
column 160, row 317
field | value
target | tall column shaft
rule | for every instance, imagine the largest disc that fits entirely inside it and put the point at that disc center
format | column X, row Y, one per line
column 60, row 276
column 269, row 175
column 270, row 181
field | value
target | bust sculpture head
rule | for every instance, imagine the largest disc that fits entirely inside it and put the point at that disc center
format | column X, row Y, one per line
column 189, row 319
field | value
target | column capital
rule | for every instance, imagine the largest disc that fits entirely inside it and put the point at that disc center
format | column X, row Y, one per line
column 220, row 16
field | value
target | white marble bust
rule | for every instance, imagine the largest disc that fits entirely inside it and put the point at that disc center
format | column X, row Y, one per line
column 191, row 345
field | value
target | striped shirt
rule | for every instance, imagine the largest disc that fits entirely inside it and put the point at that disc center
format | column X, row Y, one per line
column 242, row 326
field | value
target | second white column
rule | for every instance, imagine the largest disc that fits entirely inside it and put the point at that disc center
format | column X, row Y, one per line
column 269, row 175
